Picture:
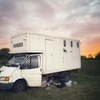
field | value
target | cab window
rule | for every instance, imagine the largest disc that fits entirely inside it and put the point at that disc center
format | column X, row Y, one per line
column 34, row 62
column 30, row 63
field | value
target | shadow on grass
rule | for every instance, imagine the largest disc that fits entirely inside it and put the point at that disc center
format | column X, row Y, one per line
column 5, row 91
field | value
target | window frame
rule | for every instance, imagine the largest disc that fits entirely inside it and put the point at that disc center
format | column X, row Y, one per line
column 31, row 62
column 64, row 43
column 78, row 45
column 71, row 44
column 29, row 58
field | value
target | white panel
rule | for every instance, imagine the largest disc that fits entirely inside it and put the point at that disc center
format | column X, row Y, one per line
column 49, row 55
column 66, row 55
column 19, row 44
column 72, row 57
column 36, row 43
column 58, row 54
column 28, row 42
column 76, row 54
column 32, row 76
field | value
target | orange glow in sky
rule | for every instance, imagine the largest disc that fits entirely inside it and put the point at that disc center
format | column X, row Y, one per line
column 76, row 19
column 86, row 48
column 90, row 48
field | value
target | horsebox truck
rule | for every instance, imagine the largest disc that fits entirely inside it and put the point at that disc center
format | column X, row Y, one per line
column 38, row 56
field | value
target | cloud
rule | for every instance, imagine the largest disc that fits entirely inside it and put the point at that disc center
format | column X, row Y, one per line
column 43, row 9
column 79, row 19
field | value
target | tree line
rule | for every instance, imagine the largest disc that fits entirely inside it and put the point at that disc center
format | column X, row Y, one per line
column 5, row 55
column 91, row 57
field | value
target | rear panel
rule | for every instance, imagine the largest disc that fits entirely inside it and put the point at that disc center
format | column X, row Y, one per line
column 61, row 55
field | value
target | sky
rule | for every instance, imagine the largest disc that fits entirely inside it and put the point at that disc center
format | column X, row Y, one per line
column 75, row 19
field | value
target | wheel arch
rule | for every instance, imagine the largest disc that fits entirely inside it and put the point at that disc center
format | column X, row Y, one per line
column 21, row 79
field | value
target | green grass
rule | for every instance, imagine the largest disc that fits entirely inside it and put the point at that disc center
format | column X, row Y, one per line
column 87, row 88
column 90, row 67
column 89, row 83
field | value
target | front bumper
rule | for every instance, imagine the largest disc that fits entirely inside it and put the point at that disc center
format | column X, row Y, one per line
column 6, row 85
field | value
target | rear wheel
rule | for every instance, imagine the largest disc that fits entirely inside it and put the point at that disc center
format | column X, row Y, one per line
column 19, row 86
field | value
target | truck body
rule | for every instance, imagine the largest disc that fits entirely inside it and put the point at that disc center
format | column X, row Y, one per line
column 38, row 55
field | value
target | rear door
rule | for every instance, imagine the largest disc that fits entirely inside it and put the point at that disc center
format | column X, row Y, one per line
column 32, row 70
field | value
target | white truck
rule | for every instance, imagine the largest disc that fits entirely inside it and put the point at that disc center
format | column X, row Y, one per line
column 37, row 56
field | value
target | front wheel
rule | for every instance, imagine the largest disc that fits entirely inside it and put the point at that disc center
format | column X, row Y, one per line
column 19, row 86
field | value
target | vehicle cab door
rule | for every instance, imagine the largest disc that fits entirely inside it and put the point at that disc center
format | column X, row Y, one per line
column 31, row 70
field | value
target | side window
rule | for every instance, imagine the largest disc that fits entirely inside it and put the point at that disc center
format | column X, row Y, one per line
column 34, row 62
column 31, row 63
column 77, row 44
column 71, row 44
column 26, row 65
column 64, row 42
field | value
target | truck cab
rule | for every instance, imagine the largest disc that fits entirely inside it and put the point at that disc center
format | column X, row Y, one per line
column 21, row 71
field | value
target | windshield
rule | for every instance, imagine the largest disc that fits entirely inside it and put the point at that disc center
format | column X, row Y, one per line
column 15, row 61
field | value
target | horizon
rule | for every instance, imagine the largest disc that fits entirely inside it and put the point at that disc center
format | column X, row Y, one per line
column 75, row 19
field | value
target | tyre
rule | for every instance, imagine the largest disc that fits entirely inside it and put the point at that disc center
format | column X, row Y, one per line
column 19, row 86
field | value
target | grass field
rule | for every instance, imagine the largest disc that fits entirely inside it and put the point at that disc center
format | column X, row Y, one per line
column 91, row 67
column 87, row 88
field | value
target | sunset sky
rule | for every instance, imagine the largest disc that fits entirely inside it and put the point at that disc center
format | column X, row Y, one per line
column 76, row 19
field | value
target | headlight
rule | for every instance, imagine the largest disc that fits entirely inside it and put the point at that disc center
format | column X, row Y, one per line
column 4, row 78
